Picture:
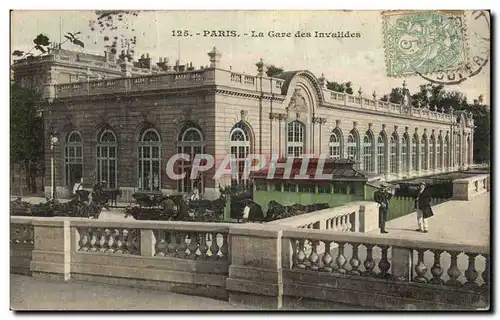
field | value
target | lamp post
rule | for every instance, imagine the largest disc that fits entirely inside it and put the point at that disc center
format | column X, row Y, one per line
column 53, row 141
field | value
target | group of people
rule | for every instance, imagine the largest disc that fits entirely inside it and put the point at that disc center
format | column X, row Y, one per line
column 422, row 205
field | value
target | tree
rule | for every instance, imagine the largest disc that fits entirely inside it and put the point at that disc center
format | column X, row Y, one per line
column 26, row 131
column 396, row 96
column 340, row 87
column 273, row 71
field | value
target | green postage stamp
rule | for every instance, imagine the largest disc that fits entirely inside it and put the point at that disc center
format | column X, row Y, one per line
column 424, row 42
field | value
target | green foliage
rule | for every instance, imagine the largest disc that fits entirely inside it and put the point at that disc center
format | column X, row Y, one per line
column 273, row 71
column 340, row 87
column 396, row 96
column 26, row 127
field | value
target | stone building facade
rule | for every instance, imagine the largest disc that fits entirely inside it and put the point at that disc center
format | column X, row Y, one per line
column 125, row 129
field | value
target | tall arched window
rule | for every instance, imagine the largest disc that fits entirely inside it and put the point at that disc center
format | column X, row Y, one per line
column 106, row 160
column 381, row 159
column 335, row 144
column 73, row 158
column 439, row 152
column 190, row 142
column 432, row 152
column 367, row 152
column 446, row 147
column 239, row 143
column 458, row 154
column 424, row 149
column 404, row 153
column 394, row 153
column 414, row 162
column 149, row 173
column 295, row 139
column 352, row 146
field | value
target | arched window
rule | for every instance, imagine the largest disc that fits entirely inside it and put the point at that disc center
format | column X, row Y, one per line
column 439, row 152
column 367, row 152
column 446, row 147
column 190, row 142
column 352, row 146
column 458, row 154
column 432, row 152
column 149, row 173
column 335, row 145
column 381, row 159
column 394, row 153
column 424, row 149
column 239, row 143
column 404, row 153
column 73, row 158
column 106, row 160
column 414, row 162
column 295, row 139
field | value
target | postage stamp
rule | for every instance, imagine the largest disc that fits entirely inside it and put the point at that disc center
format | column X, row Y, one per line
column 423, row 42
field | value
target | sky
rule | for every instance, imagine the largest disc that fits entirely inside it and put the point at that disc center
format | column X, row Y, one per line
column 359, row 60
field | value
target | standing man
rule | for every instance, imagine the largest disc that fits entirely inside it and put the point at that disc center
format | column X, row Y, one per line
column 382, row 197
column 423, row 207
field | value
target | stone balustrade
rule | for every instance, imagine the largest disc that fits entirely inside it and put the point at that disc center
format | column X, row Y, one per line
column 360, row 216
column 261, row 265
column 211, row 76
column 467, row 188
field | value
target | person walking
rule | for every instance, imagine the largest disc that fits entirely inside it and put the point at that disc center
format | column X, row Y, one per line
column 423, row 207
column 382, row 197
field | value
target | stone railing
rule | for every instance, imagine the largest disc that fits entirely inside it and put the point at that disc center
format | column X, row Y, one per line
column 260, row 265
column 361, row 216
column 467, row 188
column 424, row 274
column 356, row 101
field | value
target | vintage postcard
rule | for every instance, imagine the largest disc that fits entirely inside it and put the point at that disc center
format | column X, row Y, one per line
column 250, row 160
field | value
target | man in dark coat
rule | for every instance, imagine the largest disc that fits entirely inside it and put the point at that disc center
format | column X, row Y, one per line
column 382, row 197
column 423, row 207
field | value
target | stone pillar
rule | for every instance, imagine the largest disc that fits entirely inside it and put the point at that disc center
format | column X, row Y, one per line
column 255, row 270
column 401, row 263
column 471, row 148
column 52, row 250
column 215, row 56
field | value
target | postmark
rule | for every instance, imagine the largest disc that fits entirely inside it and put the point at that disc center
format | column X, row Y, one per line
column 424, row 42
column 478, row 51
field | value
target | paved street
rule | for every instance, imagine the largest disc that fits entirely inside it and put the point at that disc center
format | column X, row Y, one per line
column 28, row 293
column 466, row 222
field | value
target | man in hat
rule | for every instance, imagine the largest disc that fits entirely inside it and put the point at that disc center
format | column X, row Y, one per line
column 423, row 207
column 382, row 197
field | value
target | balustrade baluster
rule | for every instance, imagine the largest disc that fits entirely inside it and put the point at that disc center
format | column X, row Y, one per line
column 84, row 240
column 214, row 247
column 313, row 257
column 471, row 274
column 486, row 273
column 193, row 245
column 437, row 270
column 172, row 244
column 348, row 222
column 120, row 241
column 384, row 264
column 111, row 245
column 341, row 260
column 355, row 262
column 454, row 271
column 160, row 243
column 420, row 267
column 224, row 250
column 327, row 257
column 369, row 262
column 334, row 224
column 203, row 245
column 103, row 243
column 181, row 250
column 94, row 242
column 301, row 255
